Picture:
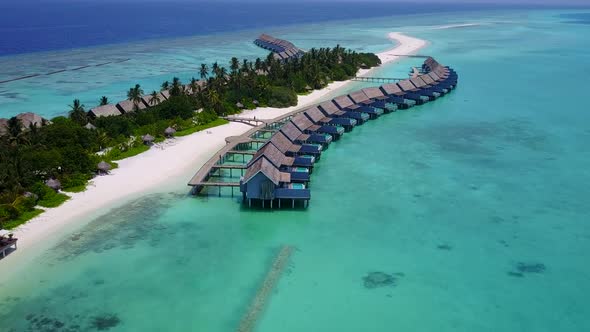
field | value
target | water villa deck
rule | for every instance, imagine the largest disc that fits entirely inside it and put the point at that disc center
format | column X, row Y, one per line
column 7, row 243
column 278, row 156
column 282, row 49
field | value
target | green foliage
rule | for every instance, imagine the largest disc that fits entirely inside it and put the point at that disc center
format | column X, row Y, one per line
column 53, row 200
column 281, row 97
column 75, row 183
column 20, row 219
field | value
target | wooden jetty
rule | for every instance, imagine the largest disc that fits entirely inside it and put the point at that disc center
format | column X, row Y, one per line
column 256, row 308
column 377, row 79
column 249, row 121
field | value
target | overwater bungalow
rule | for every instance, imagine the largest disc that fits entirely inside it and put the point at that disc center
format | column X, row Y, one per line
column 347, row 105
column 412, row 92
column 433, row 84
column 299, row 174
column 265, row 183
column 364, row 104
column 319, row 123
column 105, row 110
column 337, row 116
column 361, row 98
column 378, row 99
column 396, row 95
column 291, row 150
column 297, row 136
column 128, row 106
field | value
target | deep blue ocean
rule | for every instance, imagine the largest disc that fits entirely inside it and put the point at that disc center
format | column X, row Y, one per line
column 58, row 25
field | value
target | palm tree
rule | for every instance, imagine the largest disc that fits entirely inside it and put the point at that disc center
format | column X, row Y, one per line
column 234, row 65
column 177, row 88
column 134, row 95
column 204, row 71
column 165, row 86
column 77, row 113
column 104, row 100
column 194, row 85
column 155, row 100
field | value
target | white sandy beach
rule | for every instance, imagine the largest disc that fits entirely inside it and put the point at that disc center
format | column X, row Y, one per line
column 167, row 166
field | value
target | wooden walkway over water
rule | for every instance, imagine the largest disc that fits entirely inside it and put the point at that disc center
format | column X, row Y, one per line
column 377, row 79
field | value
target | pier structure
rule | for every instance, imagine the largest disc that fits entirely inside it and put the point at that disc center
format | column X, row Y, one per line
column 277, row 157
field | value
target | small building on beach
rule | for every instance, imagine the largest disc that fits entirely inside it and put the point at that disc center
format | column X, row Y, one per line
column 105, row 110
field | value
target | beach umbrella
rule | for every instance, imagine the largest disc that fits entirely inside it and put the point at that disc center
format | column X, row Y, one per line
column 103, row 167
column 53, row 184
column 147, row 139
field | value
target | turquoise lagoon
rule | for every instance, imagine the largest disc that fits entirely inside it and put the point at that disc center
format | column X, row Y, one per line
column 477, row 203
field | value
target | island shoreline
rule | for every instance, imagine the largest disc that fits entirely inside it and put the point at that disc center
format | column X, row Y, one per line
column 163, row 168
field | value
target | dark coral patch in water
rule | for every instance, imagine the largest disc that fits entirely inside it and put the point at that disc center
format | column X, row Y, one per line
column 515, row 274
column 379, row 279
column 444, row 247
column 105, row 322
column 530, row 267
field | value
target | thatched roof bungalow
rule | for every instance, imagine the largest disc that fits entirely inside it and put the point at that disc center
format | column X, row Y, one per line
column 148, row 139
column 53, row 184
column 276, row 157
column 3, row 126
column 169, row 132
column 105, row 110
column 149, row 101
column 261, row 180
column 128, row 106
column 29, row 118
column 103, row 167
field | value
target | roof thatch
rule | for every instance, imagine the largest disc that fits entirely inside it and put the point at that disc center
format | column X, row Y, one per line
column 373, row 92
column 391, row 89
column 358, row 97
column 315, row 115
column 265, row 167
column 103, row 166
column 406, row 85
column 90, row 126
column 165, row 94
column 270, row 152
column 148, row 138
column 291, row 131
column 282, row 143
column 147, row 100
column 302, row 122
column 417, row 82
column 169, row 131
column 105, row 110
column 329, row 107
column 3, row 126
column 29, row 118
column 434, row 76
column 343, row 102
column 53, row 184
column 427, row 79
column 128, row 106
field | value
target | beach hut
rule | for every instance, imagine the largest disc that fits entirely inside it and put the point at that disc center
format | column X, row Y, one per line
column 3, row 126
column 283, row 163
column 103, row 167
column 165, row 94
column 90, row 126
column 27, row 119
column 149, row 101
column 128, row 106
column 53, row 184
column 105, row 110
column 148, row 139
column 169, row 132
